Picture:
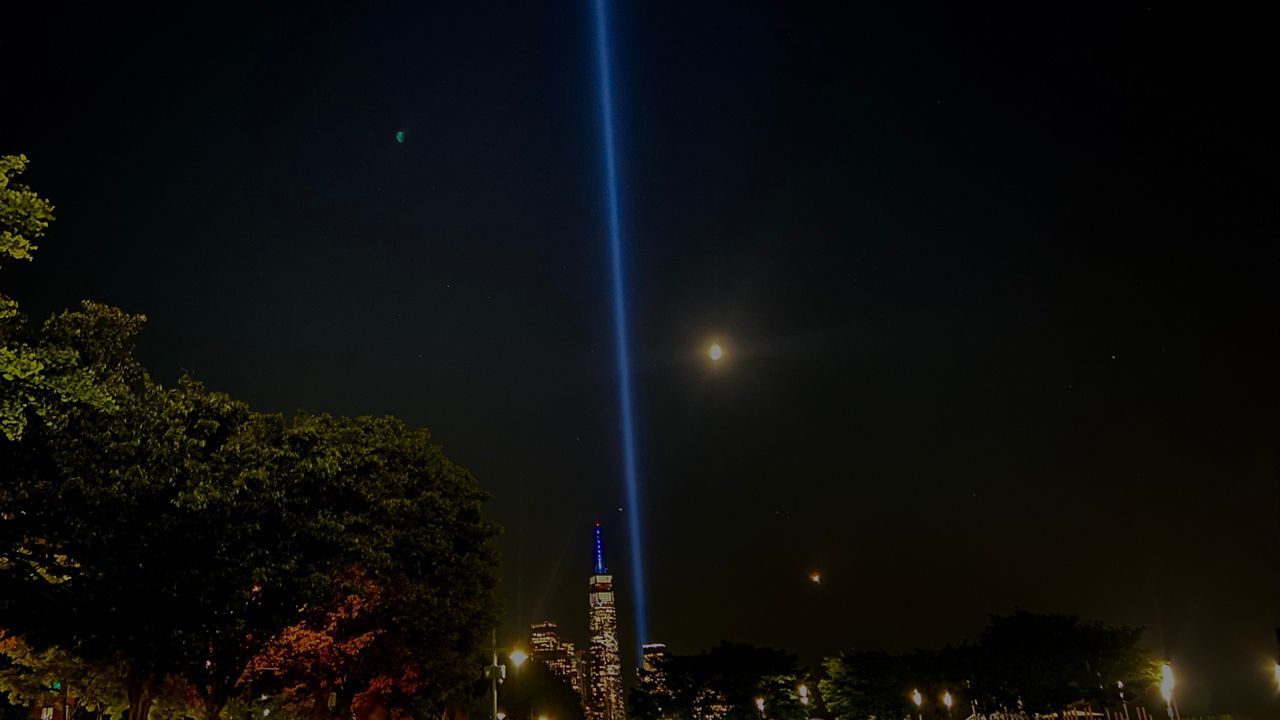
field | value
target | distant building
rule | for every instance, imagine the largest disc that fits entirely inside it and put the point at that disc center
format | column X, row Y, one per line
column 709, row 704
column 560, row 656
column 653, row 676
column 605, row 699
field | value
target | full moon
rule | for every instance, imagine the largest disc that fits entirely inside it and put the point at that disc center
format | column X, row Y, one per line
column 715, row 352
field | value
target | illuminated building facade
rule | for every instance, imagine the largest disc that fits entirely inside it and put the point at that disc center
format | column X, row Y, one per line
column 709, row 704
column 605, row 699
column 653, row 677
column 560, row 656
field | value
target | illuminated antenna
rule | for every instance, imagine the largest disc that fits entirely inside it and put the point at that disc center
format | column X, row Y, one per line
column 600, row 570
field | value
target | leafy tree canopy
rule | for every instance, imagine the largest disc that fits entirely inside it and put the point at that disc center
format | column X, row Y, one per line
column 726, row 680
column 1031, row 661
column 179, row 537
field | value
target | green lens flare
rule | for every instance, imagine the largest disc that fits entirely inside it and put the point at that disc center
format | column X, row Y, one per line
column 400, row 136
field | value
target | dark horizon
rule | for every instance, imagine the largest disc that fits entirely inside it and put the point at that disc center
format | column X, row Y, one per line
column 996, row 287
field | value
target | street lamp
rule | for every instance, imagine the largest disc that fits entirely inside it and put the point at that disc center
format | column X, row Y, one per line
column 1124, row 703
column 496, row 671
column 760, row 705
column 917, row 698
column 804, row 694
column 947, row 700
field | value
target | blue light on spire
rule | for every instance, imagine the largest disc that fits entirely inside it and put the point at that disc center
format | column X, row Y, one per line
column 600, row 569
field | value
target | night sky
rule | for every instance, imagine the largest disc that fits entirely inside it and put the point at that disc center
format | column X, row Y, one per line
column 997, row 288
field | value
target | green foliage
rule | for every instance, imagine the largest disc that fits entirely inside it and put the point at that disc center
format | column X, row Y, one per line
column 1050, row 661
column 1037, row 662
column 411, row 526
column 166, row 537
column 867, row 684
column 728, row 679
column 210, row 530
column 24, row 215
column 42, row 373
column 27, row 675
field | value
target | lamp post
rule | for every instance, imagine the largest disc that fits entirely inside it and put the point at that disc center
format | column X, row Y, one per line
column 760, row 706
column 947, row 700
column 496, row 671
column 917, row 698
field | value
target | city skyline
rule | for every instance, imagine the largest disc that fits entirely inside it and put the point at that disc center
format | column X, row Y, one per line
column 964, row 308
column 597, row 673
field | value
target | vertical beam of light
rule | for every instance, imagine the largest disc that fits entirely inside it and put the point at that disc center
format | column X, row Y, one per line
column 620, row 321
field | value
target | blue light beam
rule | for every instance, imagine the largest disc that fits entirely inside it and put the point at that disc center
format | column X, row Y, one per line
column 620, row 321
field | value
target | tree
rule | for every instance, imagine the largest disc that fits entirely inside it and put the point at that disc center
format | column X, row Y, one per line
column 413, row 533
column 866, row 684
column 311, row 659
column 212, row 529
column 176, row 534
column 154, row 535
column 1046, row 661
column 28, row 675
column 724, row 681
column 120, row 514
column 1036, row 662
column 39, row 377
column 24, row 215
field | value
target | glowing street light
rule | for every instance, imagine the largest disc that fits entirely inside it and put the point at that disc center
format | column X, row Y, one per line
column 715, row 352
column 1167, row 684
column 496, row 672
column 815, row 577
column 918, row 699
column 947, row 700
column 1278, row 673
column 760, row 705
column 804, row 694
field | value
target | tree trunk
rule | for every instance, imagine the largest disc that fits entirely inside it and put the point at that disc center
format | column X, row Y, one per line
column 320, row 709
column 141, row 690
column 212, row 705
column 342, row 711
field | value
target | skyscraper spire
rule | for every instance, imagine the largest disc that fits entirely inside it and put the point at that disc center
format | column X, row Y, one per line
column 605, row 699
column 600, row 569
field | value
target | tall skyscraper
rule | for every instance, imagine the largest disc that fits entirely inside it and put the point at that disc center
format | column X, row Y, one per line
column 558, row 655
column 606, row 699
